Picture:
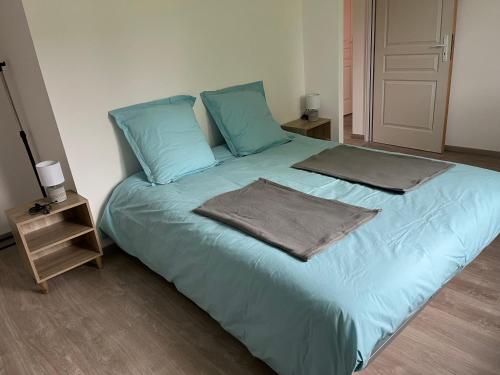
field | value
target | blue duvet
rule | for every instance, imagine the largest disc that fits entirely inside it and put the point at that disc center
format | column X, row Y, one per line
column 325, row 316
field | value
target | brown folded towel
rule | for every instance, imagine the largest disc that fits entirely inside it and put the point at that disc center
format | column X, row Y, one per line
column 399, row 173
column 298, row 223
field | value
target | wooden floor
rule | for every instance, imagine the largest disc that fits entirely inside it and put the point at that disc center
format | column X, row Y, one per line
column 483, row 161
column 124, row 319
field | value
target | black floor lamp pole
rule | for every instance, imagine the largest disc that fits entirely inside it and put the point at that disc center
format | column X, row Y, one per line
column 22, row 133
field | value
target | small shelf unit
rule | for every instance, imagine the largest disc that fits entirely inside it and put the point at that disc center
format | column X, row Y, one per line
column 51, row 244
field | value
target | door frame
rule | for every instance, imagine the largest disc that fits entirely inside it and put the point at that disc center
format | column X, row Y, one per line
column 369, row 70
column 368, row 56
column 369, row 63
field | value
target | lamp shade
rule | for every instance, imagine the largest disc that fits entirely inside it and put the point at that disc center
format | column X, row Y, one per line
column 50, row 173
column 312, row 101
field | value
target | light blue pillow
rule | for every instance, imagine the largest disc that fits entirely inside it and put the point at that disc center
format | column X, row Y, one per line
column 165, row 138
column 243, row 117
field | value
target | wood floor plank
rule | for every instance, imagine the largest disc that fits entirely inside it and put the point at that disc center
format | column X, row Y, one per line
column 483, row 161
column 127, row 320
column 481, row 346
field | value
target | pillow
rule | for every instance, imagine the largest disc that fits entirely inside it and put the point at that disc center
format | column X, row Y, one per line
column 243, row 117
column 165, row 137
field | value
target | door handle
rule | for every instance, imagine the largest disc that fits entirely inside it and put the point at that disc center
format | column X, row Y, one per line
column 445, row 46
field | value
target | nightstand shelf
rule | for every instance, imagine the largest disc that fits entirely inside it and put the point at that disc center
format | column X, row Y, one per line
column 57, row 242
column 62, row 260
column 40, row 239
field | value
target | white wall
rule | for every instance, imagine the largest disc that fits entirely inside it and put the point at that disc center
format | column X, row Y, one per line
column 99, row 55
column 474, row 111
column 17, row 182
column 323, row 60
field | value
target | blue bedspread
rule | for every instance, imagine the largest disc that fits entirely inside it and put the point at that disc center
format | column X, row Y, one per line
column 325, row 316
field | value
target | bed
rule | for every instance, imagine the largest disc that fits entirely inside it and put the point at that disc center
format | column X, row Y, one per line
column 328, row 315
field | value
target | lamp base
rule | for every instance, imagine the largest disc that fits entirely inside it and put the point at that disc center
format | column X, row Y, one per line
column 312, row 114
column 56, row 193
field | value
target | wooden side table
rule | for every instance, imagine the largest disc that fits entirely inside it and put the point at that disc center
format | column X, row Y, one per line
column 316, row 129
column 57, row 242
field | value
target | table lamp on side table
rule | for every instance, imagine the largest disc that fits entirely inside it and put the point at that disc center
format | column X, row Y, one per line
column 312, row 107
column 52, row 178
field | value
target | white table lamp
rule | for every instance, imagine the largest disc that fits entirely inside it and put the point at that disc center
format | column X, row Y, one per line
column 52, row 178
column 312, row 106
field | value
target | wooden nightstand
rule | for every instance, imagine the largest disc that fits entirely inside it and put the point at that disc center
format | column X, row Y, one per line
column 57, row 242
column 316, row 129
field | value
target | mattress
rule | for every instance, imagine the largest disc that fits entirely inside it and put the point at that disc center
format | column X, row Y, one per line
column 326, row 316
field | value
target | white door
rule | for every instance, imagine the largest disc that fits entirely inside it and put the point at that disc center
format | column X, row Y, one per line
column 347, row 58
column 413, row 47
